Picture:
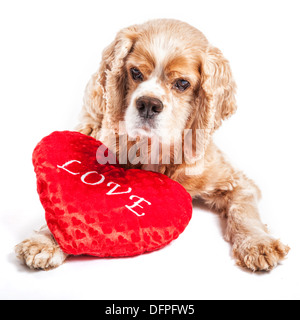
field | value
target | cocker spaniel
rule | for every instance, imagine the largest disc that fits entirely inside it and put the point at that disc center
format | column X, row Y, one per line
column 160, row 82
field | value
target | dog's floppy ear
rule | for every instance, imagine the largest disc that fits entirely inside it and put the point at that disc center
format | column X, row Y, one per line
column 218, row 88
column 112, row 73
column 105, row 92
column 214, row 102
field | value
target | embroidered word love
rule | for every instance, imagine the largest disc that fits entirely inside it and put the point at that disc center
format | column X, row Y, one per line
column 112, row 192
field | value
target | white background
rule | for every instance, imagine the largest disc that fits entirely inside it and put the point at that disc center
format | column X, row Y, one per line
column 48, row 51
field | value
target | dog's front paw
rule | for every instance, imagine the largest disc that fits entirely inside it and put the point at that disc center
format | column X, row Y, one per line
column 260, row 253
column 40, row 252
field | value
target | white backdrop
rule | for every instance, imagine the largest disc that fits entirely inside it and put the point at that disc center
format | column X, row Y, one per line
column 48, row 51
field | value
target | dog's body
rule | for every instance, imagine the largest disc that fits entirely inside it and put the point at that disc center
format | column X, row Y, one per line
column 159, row 80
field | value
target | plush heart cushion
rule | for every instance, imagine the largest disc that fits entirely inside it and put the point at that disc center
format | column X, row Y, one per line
column 105, row 210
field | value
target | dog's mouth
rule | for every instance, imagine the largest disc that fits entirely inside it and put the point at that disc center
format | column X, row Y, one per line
column 143, row 132
column 148, row 124
column 139, row 125
column 144, row 128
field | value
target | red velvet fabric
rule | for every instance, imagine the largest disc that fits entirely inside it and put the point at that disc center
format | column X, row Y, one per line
column 104, row 210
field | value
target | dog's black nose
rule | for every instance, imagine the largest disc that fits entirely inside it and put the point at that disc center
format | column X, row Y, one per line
column 149, row 107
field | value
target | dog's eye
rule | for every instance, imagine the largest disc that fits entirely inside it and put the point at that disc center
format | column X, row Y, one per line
column 136, row 74
column 182, row 85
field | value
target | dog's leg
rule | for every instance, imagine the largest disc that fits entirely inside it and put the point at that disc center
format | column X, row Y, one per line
column 253, row 246
column 41, row 251
column 233, row 195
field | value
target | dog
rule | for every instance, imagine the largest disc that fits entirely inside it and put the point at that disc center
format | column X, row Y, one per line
column 159, row 80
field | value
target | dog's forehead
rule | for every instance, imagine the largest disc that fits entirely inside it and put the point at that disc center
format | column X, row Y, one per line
column 157, row 48
column 164, row 54
column 163, row 47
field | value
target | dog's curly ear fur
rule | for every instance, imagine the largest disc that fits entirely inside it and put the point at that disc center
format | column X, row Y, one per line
column 105, row 93
column 112, row 74
column 218, row 88
column 214, row 101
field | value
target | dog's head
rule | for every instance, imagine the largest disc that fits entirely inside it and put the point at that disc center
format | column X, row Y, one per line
column 163, row 77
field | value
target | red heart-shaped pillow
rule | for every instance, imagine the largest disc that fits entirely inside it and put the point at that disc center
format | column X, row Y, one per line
column 105, row 210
